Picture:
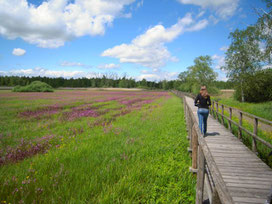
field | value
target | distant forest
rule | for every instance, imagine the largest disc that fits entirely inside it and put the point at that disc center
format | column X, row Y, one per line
column 104, row 81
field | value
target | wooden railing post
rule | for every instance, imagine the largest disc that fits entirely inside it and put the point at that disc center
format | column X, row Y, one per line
column 222, row 112
column 230, row 117
column 240, row 124
column 200, row 176
column 184, row 106
column 216, row 110
column 255, row 131
column 194, row 149
column 213, row 108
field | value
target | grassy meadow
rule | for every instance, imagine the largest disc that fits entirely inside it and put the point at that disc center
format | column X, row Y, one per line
column 94, row 147
column 263, row 110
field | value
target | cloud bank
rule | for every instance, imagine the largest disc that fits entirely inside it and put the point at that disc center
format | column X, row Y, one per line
column 149, row 48
column 54, row 22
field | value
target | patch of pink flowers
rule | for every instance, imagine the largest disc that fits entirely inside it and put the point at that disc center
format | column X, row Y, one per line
column 80, row 113
column 49, row 110
column 25, row 149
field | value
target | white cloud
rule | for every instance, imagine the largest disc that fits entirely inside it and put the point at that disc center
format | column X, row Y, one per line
column 108, row 66
column 18, row 52
column 149, row 48
column 219, row 61
column 71, row 64
column 39, row 71
column 74, row 64
column 54, row 22
column 157, row 76
column 223, row 8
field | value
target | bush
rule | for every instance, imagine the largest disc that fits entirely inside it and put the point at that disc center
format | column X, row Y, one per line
column 35, row 86
column 257, row 87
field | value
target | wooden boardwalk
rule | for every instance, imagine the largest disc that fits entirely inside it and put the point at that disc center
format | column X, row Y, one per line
column 247, row 178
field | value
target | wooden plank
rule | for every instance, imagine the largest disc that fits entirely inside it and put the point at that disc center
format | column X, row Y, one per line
column 249, row 194
column 251, row 190
column 233, row 155
column 219, row 138
column 245, row 170
column 224, row 158
column 230, row 146
column 242, row 177
column 224, row 141
column 249, row 200
column 247, row 174
column 250, row 186
column 248, row 181
column 226, row 148
column 235, row 165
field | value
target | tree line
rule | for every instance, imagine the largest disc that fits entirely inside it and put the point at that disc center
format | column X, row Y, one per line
column 100, row 82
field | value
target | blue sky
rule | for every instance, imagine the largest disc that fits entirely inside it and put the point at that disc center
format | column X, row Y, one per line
column 151, row 39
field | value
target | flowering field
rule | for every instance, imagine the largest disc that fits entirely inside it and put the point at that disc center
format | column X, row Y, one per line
column 93, row 147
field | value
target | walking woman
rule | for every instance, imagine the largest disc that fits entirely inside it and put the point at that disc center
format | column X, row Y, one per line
column 203, row 101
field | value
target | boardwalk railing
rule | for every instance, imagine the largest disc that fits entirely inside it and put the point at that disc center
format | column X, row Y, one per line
column 221, row 116
column 203, row 162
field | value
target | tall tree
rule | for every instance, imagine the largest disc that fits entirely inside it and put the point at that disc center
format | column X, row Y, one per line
column 201, row 73
column 264, row 30
column 243, row 56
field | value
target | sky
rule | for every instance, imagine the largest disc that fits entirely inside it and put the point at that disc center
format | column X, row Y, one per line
column 151, row 39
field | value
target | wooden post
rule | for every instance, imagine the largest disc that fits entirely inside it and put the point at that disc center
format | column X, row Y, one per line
column 187, row 121
column 194, row 147
column 189, row 124
column 184, row 105
column 200, row 177
column 191, row 128
column 230, row 117
column 222, row 112
column 213, row 108
column 255, row 131
column 216, row 110
column 240, row 124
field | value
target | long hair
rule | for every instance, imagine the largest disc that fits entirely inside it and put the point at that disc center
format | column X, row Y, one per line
column 203, row 92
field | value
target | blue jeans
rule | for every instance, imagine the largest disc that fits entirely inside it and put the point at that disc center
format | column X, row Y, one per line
column 203, row 114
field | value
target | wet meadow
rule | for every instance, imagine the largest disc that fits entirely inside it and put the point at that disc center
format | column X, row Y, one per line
column 85, row 146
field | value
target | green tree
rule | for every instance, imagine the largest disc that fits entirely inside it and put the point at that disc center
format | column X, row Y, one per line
column 264, row 30
column 199, row 74
column 243, row 56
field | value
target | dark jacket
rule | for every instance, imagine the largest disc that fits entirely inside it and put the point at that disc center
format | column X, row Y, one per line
column 202, row 102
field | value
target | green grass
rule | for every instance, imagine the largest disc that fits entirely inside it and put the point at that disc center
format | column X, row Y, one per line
column 263, row 110
column 140, row 158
